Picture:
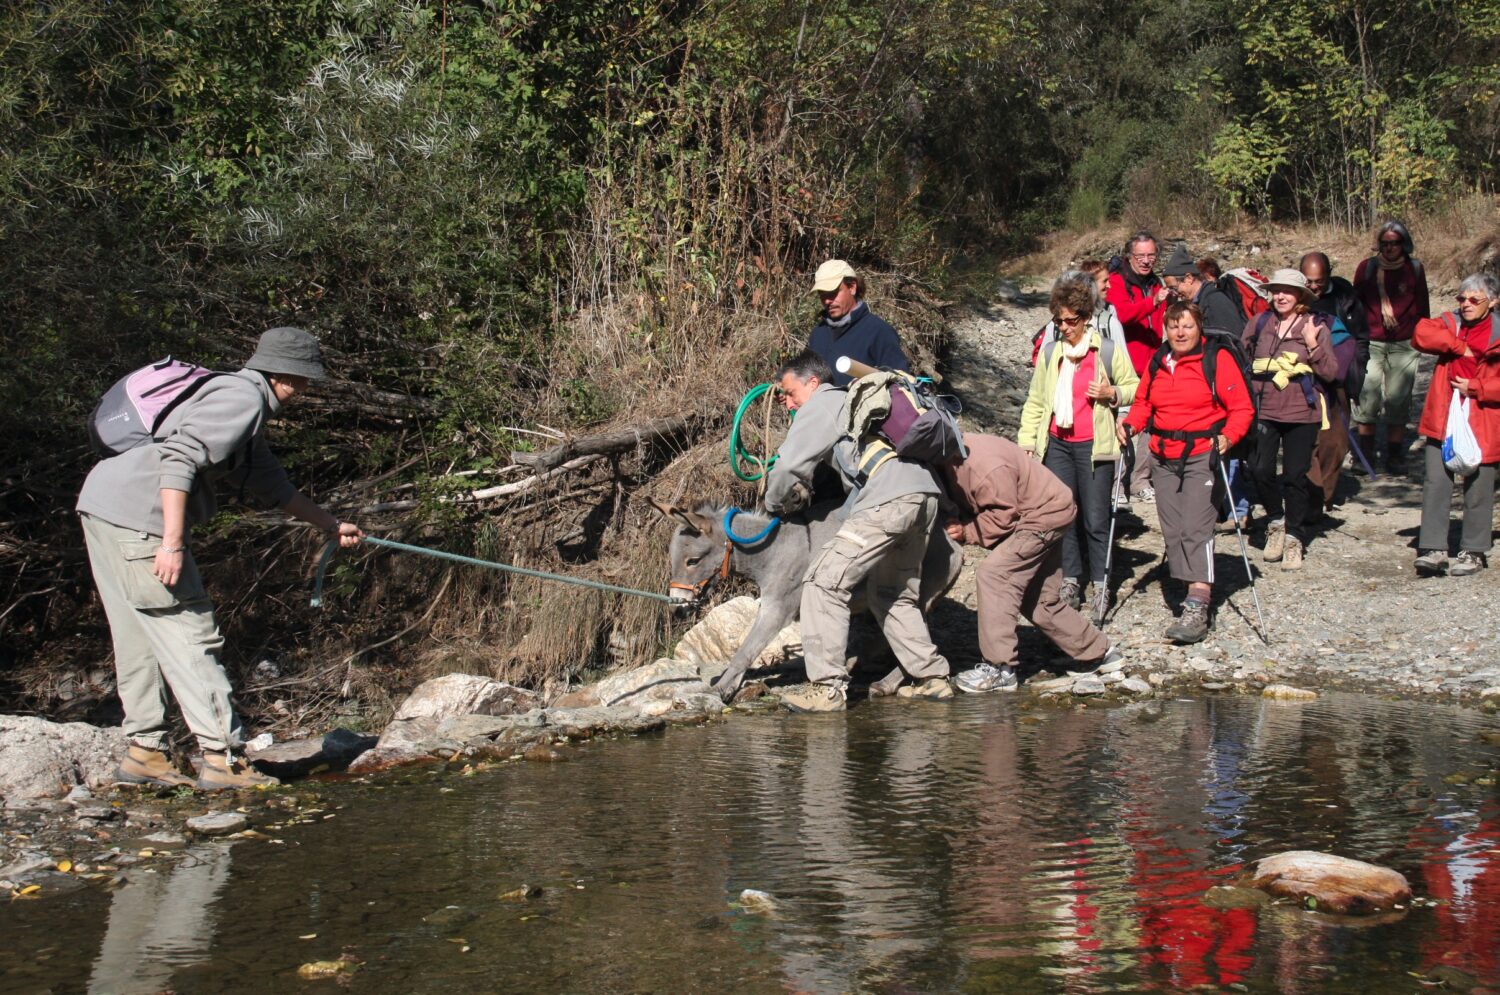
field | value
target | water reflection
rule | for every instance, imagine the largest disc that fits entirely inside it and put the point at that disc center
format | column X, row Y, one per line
column 968, row 846
column 159, row 921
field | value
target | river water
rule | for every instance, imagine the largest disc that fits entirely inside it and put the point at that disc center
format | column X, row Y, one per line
column 970, row 846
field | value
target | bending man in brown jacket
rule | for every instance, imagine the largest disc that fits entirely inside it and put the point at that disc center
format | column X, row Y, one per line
column 1007, row 502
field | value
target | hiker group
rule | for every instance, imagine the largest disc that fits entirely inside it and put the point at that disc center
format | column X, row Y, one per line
column 1204, row 392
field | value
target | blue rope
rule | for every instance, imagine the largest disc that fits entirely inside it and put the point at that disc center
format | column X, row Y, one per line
column 333, row 545
column 746, row 540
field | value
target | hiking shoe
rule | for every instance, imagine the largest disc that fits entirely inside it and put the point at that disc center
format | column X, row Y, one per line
column 143, row 765
column 932, row 689
column 1275, row 541
column 219, row 773
column 1112, row 655
column 1192, row 626
column 1291, row 557
column 1146, row 495
column 1071, row 593
column 818, row 698
column 987, row 677
column 1467, row 563
column 1099, row 604
column 1432, row 563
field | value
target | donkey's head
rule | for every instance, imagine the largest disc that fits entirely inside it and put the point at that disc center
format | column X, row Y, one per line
column 700, row 552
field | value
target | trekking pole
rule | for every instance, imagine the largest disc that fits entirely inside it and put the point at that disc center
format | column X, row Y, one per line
column 1115, row 493
column 1244, row 554
column 1359, row 453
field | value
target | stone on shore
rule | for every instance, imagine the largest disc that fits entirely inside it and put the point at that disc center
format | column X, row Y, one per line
column 444, row 697
column 711, row 642
column 334, row 751
column 1329, row 883
column 41, row 759
column 1285, row 692
column 218, row 823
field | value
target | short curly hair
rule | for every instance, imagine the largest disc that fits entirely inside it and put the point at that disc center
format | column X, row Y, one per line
column 1075, row 296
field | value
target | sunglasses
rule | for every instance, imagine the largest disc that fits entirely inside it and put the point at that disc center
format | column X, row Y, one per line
column 1076, row 319
column 1471, row 300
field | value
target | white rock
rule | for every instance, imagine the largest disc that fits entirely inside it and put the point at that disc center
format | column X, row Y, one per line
column 1156, row 680
column 1135, row 685
column 1113, row 677
column 711, row 642
column 1110, row 667
column 1088, row 685
column 449, row 696
column 218, row 823
column 41, row 759
column 1285, row 692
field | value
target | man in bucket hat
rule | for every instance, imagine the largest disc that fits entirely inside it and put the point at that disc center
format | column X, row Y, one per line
column 137, row 510
column 847, row 327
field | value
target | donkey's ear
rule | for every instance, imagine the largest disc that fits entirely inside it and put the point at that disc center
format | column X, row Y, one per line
column 697, row 521
column 664, row 510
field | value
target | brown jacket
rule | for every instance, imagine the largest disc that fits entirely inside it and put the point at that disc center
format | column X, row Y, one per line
column 1000, row 489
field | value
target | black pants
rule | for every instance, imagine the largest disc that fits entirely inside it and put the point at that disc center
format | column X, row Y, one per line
column 1091, row 483
column 1289, row 494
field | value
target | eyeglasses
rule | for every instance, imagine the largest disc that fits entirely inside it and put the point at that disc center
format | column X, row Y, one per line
column 1144, row 256
column 1069, row 321
column 1471, row 300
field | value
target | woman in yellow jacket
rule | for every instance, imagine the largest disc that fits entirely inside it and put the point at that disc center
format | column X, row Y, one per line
column 1079, row 383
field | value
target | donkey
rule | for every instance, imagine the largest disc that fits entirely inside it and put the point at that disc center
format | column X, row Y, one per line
column 702, row 554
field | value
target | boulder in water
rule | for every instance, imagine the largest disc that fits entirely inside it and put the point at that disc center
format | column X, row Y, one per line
column 1329, row 883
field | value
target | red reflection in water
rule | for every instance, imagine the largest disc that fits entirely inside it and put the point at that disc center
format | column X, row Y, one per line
column 1194, row 944
column 1461, row 868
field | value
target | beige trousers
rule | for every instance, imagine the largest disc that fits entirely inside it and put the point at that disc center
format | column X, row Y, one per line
column 1023, row 576
column 164, row 638
column 881, row 548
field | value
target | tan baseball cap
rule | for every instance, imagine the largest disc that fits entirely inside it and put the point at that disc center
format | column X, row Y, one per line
column 831, row 274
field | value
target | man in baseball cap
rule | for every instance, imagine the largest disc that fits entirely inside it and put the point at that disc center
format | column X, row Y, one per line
column 847, row 327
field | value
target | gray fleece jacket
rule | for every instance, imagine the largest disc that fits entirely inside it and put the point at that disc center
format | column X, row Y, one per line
column 216, row 435
column 815, row 437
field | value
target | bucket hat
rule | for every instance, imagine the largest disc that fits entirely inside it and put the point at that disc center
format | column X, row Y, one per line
column 1290, row 279
column 288, row 351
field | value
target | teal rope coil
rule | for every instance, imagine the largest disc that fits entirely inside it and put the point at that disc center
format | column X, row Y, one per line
column 747, row 466
column 333, row 545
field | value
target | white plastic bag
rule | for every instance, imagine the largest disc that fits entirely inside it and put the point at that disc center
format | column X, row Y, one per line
column 1460, row 449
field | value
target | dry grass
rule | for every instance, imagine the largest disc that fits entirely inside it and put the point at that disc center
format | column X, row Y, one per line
column 1454, row 239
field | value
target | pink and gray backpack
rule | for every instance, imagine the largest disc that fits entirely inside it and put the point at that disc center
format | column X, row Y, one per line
column 131, row 411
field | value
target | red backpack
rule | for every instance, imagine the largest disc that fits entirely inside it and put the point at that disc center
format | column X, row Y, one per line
column 1246, row 288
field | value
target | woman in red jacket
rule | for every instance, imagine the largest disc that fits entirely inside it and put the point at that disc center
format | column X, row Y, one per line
column 1467, row 344
column 1192, row 422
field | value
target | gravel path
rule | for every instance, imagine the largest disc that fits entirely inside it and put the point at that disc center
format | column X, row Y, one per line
column 1355, row 616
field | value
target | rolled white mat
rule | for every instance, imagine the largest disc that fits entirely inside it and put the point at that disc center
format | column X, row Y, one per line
column 853, row 367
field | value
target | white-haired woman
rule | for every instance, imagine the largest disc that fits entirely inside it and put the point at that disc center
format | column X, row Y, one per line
column 1467, row 344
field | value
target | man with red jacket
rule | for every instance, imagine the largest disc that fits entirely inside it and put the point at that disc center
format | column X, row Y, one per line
column 1140, row 301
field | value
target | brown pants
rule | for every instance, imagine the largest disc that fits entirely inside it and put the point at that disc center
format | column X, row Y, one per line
column 1023, row 576
column 1328, row 454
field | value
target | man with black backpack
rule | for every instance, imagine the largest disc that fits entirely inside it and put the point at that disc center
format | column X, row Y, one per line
column 138, row 508
column 1183, row 278
column 1351, row 343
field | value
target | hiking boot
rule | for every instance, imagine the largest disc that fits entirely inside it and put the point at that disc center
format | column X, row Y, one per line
column 932, row 689
column 1291, row 557
column 143, row 765
column 1099, row 604
column 818, row 698
column 1432, row 563
column 219, row 773
column 1071, row 593
column 987, row 677
column 1146, row 495
column 1192, row 626
column 1275, row 541
column 1467, row 563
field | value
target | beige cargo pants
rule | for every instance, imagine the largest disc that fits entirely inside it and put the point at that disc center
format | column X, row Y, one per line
column 164, row 638
column 882, row 548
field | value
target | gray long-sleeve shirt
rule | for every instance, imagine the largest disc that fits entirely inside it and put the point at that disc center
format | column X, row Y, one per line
column 814, row 438
column 216, row 435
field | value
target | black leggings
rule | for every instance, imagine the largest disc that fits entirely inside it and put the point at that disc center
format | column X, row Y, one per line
column 1295, row 442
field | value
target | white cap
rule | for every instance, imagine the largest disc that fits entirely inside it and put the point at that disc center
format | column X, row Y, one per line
column 831, row 274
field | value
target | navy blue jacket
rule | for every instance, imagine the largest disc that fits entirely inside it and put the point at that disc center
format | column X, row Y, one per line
column 866, row 338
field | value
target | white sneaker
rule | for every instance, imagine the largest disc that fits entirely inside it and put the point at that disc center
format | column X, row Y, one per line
column 987, row 677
